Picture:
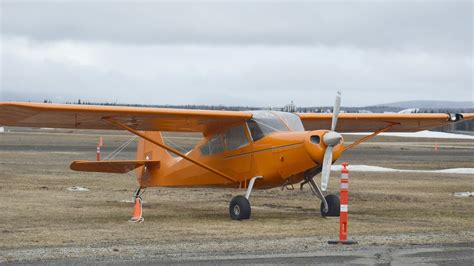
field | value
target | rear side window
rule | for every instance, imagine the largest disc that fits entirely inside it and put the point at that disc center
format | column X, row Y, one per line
column 213, row 146
column 184, row 142
column 235, row 138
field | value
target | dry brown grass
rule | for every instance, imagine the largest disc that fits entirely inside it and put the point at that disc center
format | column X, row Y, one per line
column 37, row 210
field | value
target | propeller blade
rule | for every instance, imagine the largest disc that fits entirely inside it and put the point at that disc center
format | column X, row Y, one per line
column 335, row 112
column 326, row 171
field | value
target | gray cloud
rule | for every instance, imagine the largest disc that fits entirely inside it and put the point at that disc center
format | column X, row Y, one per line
column 237, row 53
column 435, row 24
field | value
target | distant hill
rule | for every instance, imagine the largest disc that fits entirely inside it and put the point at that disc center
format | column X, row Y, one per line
column 429, row 105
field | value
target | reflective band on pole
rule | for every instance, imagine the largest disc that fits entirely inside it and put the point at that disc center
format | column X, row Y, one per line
column 344, row 185
column 344, row 176
column 344, row 208
column 98, row 153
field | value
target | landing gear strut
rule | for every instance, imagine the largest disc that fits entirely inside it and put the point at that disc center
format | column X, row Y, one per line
column 239, row 207
column 330, row 205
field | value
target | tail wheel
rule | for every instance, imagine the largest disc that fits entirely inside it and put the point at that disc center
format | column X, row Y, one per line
column 239, row 208
column 334, row 206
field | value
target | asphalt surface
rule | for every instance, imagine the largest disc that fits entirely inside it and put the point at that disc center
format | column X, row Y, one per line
column 448, row 254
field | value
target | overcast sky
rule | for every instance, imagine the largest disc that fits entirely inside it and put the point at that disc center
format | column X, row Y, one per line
column 246, row 53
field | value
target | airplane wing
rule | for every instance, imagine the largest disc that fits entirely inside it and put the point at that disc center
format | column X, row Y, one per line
column 159, row 119
column 350, row 122
column 93, row 117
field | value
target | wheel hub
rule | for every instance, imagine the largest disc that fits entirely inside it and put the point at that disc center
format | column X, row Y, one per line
column 236, row 210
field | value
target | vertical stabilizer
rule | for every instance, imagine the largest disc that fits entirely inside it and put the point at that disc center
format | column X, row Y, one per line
column 149, row 151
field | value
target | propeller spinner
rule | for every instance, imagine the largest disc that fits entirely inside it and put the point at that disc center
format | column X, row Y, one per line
column 330, row 139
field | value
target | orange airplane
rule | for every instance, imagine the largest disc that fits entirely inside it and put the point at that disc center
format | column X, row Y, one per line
column 246, row 150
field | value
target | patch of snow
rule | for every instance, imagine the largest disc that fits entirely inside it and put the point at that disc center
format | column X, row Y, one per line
column 369, row 168
column 129, row 201
column 420, row 134
column 132, row 200
column 364, row 168
column 463, row 194
column 457, row 171
column 77, row 189
column 2, row 129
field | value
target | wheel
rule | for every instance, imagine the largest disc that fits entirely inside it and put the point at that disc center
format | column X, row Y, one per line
column 239, row 208
column 334, row 206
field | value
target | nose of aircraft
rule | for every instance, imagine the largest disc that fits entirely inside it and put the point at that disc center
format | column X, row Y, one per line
column 332, row 138
column 317, row 141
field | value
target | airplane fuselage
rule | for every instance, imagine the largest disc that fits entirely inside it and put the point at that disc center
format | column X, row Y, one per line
column 280, row 157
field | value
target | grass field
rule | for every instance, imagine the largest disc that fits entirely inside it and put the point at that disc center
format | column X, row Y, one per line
column 41, row 219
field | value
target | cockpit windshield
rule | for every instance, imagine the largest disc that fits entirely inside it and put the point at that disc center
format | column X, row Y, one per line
column 291, row 120
column 267, row 122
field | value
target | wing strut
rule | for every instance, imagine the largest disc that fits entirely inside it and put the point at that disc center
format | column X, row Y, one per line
column 359, row 141
column 138, row 133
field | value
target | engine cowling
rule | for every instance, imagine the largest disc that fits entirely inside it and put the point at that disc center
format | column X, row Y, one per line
column 317, row 141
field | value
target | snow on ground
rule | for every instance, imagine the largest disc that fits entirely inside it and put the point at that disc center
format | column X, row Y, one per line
column 369, row 168
column 420, row 134
column 77, row 189
column 463, row 194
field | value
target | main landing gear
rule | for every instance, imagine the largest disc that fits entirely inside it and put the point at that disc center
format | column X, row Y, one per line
column 239, row 207
column 334, row 206
column 330, row 204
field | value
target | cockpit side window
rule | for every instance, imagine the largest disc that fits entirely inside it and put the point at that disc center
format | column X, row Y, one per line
column 235, row 137
column 213, row 146
column 255, row 130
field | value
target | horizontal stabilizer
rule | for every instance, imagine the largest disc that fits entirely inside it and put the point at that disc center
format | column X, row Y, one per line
column 119, row 167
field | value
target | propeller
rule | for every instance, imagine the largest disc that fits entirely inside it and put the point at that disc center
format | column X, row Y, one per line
column 330, row 139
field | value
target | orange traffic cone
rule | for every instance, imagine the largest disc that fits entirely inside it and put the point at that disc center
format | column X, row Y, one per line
column 137, row 211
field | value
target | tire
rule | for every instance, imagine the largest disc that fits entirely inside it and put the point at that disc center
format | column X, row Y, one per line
column 334, row 206
column 239, row 208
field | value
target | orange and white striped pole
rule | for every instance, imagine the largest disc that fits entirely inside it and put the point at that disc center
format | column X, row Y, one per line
column 98, row 152
column 344, row 200
column 98, row 148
